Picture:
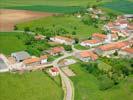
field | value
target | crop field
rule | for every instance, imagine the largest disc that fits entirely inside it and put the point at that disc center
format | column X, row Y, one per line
column 124, row 6
column 12, row 3
column 10, row 43
column 29, row 86
column 69, row 23
column 48, row 8
column 86, row 87
column 55, row 6
column 10, row 17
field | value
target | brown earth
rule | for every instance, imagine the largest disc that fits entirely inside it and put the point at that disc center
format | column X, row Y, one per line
column 8, row 17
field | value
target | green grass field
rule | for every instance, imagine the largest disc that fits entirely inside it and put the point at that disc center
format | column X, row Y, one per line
column 67, row 22
column 29, row 86
column 124, row 6
column 86, row 87
column 49, row 8
column 10, row 43
column 66, row 6
column 11, row 3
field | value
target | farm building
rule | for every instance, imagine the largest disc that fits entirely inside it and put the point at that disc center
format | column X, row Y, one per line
column 54, row 71
column 111, row 48
column 3, row 66
column 39, row 37
column 44, row 59
column 63, row 40
column 56, row 51
column 20, row 56
column 32, row 61
column 91, row 43
column 103, row 37
column 126, row 53
column 86, row 56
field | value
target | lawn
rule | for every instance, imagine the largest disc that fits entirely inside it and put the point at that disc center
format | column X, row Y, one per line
column 79, row 47
column 29, row 86
column 10, row 43
column 86, row 87
column 69, row 23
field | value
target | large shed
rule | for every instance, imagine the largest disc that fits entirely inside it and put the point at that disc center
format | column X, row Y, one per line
column 21, row 55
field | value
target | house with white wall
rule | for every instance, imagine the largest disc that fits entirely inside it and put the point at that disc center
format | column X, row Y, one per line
column 86, row 56
column 63, row 40
column 91, row 43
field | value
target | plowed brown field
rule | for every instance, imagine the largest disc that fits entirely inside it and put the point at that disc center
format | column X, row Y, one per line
column 8, row 17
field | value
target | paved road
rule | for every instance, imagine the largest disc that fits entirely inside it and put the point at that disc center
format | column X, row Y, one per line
column 69, row 93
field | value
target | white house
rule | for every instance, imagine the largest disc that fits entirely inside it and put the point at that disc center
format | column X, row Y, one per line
column 104, row 38
column 44, row 59
column 126, row 53
column 109, row 49
column 56, row 51
column 63, row 40
column 91, row 43
column 86, row 56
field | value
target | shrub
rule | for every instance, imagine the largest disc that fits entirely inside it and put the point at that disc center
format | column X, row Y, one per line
column 76, row 40
column 67, row 47
column 15, row 27
column 26, row 29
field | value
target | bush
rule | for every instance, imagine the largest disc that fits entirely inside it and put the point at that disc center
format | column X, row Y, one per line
column 74, row 33
column 33, row 51
column 26, row 29
column 15, row 27
column 76, row 40
column 67, row 47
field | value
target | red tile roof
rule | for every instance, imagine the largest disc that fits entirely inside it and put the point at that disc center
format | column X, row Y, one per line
column 31, row 60
column 112, row 46
column 86, row 54
column 39, row 37
column 64, row 38
column 98, row 35
column 54, row 69
column 114, row 35
column 57, row 49
column 114, row 30
column 44, row 57
column 129, row 50
column 91, row 41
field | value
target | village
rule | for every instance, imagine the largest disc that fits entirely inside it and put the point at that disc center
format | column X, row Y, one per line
column 119, row 39
column 115, row 41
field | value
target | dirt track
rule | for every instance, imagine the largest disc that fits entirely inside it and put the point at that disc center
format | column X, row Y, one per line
column 8, row 17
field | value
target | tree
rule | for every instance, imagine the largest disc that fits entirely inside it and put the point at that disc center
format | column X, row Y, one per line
column 94, row 6
column 76, row 40
column 73, row 33
column 26, row 29
column 116, row 53
column 33, row 51
column 15, row 27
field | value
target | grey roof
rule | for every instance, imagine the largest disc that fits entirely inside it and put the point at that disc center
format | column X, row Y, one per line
column 22, row 55
column 2, row 65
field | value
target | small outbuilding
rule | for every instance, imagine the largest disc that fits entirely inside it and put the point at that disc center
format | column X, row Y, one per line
column 54, row 71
